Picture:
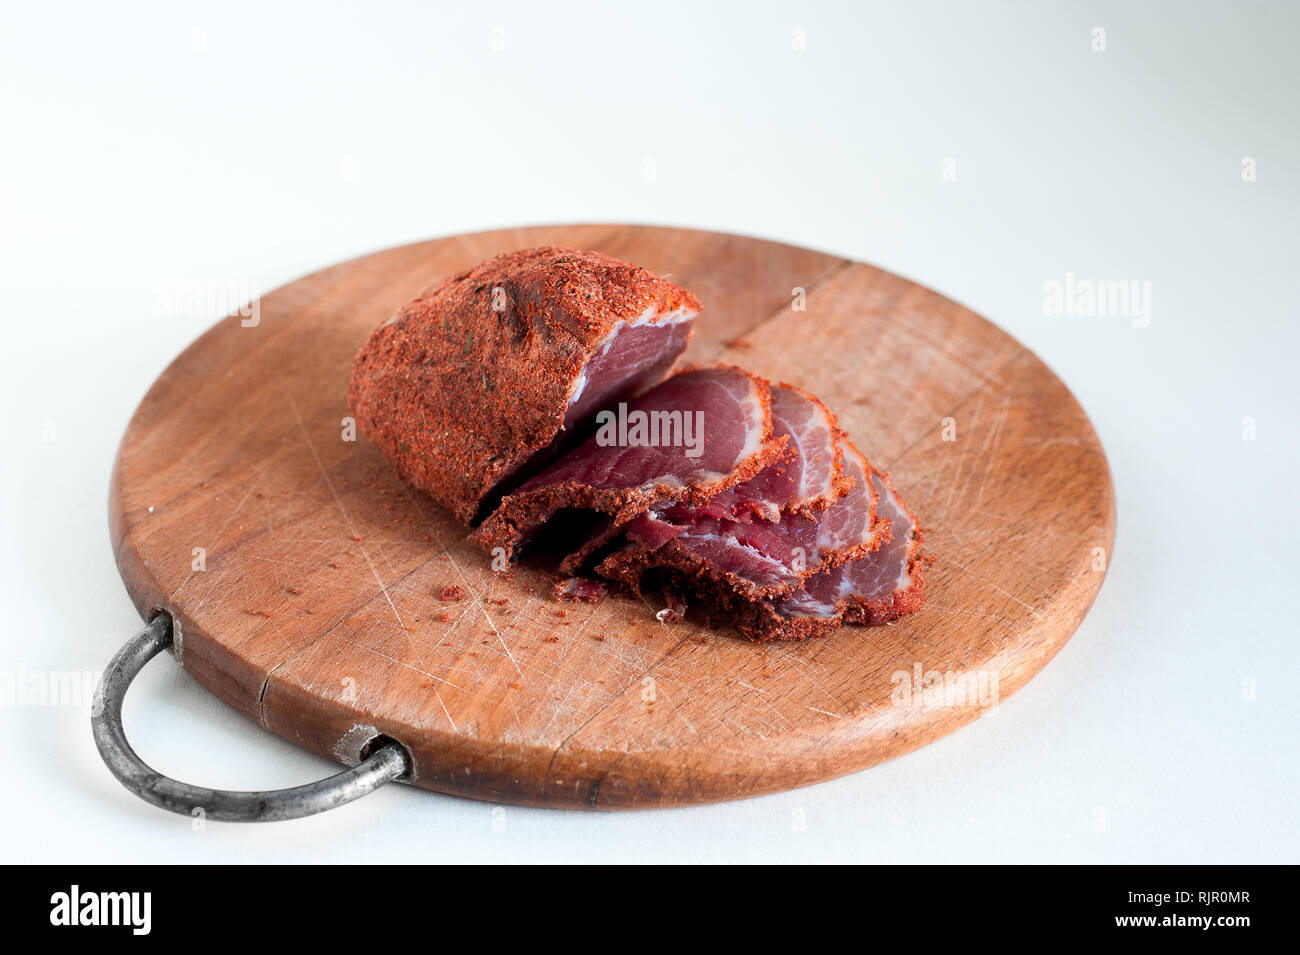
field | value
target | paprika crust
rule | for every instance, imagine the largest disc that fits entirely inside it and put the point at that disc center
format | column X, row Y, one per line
column 466, row 385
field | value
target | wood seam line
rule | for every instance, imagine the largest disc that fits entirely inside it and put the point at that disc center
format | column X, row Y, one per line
column 831, row 271
column 593, row 797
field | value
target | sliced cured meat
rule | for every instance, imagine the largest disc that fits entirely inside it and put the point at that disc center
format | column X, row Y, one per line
column 483, row 376
column 685, row 440
column 807, row 478
column 532, row 389
column 752, row 560
column 874, row 589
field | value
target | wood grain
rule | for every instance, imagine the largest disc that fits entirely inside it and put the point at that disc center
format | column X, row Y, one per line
column 316, row 609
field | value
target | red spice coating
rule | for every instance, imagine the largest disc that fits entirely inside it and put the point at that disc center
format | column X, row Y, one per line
column 758, row 619
column 899, row 603
column 458, row 394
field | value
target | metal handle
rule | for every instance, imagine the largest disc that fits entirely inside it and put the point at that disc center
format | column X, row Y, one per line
column 384, row 764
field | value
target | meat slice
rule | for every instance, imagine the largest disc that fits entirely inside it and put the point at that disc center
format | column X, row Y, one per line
column 807, row 478
column 874, row 589
column 685, row 440
column 486, row 376
column 738, row 562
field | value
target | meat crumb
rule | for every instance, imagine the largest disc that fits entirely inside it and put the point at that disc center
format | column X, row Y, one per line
column 452, row 592
column 575, row 588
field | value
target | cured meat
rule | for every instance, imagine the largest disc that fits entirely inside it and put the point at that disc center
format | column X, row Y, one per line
column 875, row 589
column 690, row 437
column 752, row 560
column 808, row 477
column 530, row 393
column 482, row 378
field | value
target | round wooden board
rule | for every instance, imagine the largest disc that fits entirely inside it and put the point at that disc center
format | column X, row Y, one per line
column 305, row 577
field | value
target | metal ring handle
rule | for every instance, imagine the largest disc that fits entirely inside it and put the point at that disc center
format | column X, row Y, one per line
column 385, row 764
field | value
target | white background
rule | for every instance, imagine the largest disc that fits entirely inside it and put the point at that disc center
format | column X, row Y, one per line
column 151, row 149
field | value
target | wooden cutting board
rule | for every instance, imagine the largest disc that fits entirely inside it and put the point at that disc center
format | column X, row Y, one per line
column 309, row 585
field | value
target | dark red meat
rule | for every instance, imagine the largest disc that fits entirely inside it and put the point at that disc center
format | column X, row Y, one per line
column 874, row 589
column 808, row 477
column 752, row 559
column 686, row 439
